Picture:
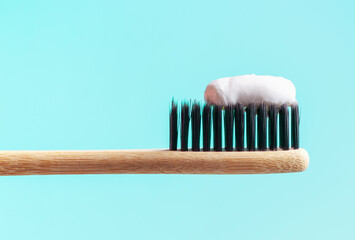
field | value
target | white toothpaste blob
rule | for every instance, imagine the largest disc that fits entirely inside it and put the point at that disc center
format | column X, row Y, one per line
column 250, row 89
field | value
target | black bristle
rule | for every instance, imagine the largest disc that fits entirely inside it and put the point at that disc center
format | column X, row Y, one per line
column 239, row 127
column 228, row 127
column 206, row 127
column 217, row 128
column 257, row 127
column 273, row 127
column 173, row 127
column 251, row 113
column 295, row 122
column 184, row 123
column 262, row 121
column 284, row 127
column 196, row 126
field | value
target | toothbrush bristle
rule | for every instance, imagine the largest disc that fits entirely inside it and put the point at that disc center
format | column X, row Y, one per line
column 273, row 127
column 228, row 127
column 262, row 121
column 184, row 126
column 217, row 128
column 251, row 115
column 173, row 126
column 295, row 121
column 239, row 127
column 263, row 124
column 206, row 127
column 196, row 126
column 284, row 127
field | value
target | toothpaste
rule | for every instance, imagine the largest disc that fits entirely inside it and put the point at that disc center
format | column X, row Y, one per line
column 252, row 88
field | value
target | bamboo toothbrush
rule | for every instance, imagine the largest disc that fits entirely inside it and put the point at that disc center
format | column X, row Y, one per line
column 260, row 124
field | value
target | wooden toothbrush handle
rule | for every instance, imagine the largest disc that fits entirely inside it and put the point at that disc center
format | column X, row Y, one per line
column 151, row 162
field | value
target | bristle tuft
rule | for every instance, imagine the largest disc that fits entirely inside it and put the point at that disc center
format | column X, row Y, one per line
column 217, row 128
column 262, row 121
column 295, row 139
column 228, row 127
column 251, row 114
column 206, row 127
column 273, row 127
column 284, row 127
column 239, row 127
column 173, row 126
column 185, row 122
column 196, row 126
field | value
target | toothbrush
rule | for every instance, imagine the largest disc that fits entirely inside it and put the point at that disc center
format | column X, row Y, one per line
column 247, row 115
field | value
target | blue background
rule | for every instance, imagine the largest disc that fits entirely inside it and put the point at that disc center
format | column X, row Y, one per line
column 101, row 75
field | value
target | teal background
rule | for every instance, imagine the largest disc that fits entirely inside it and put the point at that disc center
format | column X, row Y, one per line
column 101, row 75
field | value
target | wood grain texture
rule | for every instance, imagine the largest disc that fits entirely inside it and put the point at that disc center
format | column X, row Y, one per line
column 151, row 162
